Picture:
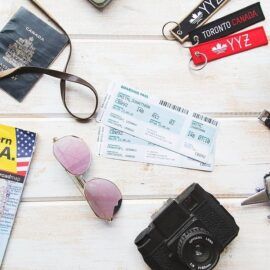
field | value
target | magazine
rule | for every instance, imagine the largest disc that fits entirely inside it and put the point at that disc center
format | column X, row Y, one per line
column 16, row 150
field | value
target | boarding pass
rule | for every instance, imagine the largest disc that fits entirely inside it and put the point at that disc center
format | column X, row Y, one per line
column 159, row 122
column 116, row 144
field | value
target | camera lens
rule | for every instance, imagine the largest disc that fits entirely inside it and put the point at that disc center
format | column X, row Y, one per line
column 200, row 253
column 198, row 249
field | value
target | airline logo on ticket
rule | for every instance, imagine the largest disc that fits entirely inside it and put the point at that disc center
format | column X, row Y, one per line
column 159, row 122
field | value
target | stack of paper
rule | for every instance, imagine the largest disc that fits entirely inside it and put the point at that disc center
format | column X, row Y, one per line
column 137, row 127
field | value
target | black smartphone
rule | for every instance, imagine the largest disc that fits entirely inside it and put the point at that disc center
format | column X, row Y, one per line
column 100, row 3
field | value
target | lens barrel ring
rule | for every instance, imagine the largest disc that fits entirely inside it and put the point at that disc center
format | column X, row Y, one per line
column 192, row 231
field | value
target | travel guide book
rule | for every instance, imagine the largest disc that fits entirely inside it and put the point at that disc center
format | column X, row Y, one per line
column 27, row 41
column 16, row 151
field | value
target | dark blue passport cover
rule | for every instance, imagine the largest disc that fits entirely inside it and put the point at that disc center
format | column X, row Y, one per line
column 27, row 41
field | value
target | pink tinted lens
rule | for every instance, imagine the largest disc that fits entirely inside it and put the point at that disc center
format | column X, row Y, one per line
column 104, row 197
column 73, row 153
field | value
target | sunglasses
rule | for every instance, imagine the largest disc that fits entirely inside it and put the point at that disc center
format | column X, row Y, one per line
column 102, row 195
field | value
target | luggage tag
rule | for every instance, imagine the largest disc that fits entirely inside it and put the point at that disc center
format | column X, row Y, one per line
column 203, row 12
column 228, row 24
column 116, row 144
column 217, row 49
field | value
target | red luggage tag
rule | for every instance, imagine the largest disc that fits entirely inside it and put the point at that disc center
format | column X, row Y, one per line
column 219, row 48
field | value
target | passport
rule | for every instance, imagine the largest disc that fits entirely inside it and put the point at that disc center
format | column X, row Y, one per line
column 26, row 40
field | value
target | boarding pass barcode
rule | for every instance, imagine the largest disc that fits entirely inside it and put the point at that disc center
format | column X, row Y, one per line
column 205, row 119
column 173, row 107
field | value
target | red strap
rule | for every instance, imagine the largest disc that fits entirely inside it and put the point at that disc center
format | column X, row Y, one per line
column 229, row 45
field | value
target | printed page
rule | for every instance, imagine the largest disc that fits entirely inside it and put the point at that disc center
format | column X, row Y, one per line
column 159, row 122
column 115, row 144
column 16, row 151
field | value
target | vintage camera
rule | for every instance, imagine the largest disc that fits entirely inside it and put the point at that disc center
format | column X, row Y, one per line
column 188, row 232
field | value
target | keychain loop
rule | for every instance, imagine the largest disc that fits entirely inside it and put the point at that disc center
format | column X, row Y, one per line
column 196, row 38
column 163, row 30
column 197, row 68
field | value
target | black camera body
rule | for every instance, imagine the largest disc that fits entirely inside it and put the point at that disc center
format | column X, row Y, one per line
column 188, row 232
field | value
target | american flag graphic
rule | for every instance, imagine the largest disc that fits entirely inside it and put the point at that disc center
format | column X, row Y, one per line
column 25, row 146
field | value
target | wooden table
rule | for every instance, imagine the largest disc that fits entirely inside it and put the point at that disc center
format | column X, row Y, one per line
column 55, row 228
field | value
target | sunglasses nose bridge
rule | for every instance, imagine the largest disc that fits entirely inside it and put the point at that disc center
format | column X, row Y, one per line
column 81, row 180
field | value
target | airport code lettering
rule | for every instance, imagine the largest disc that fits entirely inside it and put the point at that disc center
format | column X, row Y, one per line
column 230, row 45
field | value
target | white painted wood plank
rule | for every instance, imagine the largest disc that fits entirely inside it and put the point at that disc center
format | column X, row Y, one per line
column 242, row 159
column 66, row 235
column 121, row 17
column 234, row 84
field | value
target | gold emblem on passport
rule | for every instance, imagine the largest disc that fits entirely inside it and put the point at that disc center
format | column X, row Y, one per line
column 20, row 53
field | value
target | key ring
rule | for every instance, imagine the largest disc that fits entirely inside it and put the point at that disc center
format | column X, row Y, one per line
column 179, row 31
column 163, row 30
column 197, row 68
column 196, row 38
